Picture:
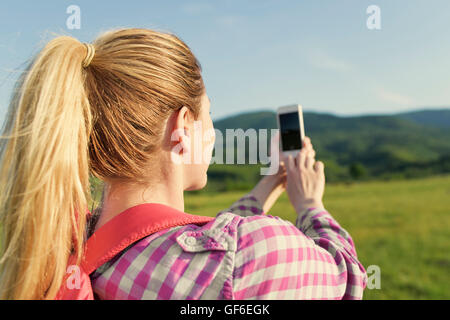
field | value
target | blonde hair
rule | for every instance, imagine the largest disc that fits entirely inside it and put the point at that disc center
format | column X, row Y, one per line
column 66, row 122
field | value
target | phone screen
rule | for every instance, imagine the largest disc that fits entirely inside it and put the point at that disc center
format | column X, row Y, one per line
column 290, row 131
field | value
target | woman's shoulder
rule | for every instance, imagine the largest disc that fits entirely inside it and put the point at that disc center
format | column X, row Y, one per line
column 164, row 265
column 229, row 231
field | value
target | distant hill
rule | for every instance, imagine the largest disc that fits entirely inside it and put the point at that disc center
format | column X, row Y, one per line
column 437, row 117
column 256, row 120
column 409, row 136
column 380, row 144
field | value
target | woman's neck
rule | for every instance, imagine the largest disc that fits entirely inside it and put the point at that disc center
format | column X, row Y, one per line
column 118, row 197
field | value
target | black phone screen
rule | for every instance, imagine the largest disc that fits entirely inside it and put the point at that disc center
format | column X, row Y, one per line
column 290, row 131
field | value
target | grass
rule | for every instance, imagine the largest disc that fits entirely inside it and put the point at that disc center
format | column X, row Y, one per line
column 401, row 226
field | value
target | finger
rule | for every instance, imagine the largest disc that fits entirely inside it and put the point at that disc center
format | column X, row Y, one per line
column 309, row 162
column 301, row 158
column 319, row 167
column 290, row 163
column 307, row 142
column 286, row 163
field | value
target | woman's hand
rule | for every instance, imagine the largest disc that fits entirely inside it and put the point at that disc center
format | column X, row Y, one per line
column 305, row 178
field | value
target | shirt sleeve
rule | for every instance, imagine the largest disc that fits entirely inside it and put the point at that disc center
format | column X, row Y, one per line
column 246, row 206
column 313, row 259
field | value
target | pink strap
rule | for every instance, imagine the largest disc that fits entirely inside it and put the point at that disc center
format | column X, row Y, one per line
column 130, row 226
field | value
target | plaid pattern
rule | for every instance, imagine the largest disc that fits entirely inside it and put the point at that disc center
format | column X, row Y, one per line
column 241, row 254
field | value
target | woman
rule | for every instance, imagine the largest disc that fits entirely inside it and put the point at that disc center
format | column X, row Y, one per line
column 110, row 108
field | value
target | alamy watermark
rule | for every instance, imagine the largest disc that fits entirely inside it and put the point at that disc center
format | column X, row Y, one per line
column 74, row 19
column 374, row 20
column 373, row 277
column 73, row 281
column 197, row 148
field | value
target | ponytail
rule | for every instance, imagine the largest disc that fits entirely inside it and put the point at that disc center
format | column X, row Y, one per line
column 44, row 173
column 134, row 79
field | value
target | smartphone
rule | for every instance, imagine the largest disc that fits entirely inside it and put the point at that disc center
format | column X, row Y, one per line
column 292, row 131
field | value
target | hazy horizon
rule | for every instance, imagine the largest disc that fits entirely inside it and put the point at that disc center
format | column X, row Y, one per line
column 306, row 110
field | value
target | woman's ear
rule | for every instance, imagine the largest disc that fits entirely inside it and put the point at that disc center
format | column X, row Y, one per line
column 183, row 121
column 181, row 129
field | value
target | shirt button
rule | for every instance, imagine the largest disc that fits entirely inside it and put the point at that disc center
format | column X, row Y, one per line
column 190, row 241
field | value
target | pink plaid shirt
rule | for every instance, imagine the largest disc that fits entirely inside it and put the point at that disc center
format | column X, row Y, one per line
column 241, row 254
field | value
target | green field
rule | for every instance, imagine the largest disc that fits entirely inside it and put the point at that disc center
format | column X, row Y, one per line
column 401, row 226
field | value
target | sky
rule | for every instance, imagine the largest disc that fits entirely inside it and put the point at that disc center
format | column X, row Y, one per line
column 259, row 55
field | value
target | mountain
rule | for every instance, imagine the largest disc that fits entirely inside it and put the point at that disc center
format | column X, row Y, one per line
column 437, row 117
column 380, row 144
column 256, row 120
column 410, row 136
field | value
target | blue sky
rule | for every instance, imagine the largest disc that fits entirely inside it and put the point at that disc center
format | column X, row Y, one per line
column 264, row 54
